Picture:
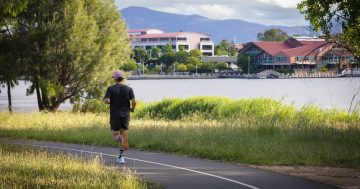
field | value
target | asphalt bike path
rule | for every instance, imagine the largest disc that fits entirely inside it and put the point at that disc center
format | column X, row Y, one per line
column 179, row 172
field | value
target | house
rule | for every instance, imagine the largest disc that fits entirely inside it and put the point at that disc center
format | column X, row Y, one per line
column 149, row 38
column 296, row 53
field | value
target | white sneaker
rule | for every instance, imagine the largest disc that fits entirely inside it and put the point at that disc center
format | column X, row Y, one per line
column 120, row 160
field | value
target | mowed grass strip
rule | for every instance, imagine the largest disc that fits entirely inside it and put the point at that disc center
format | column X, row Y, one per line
column 252, row 131
column 23, row 167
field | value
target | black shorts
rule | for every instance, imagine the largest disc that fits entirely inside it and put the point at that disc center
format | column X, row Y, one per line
column 118, row 123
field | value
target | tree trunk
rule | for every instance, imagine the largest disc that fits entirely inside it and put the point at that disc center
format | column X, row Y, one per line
column 38, row 95
column 45, row 100
column 9, row 95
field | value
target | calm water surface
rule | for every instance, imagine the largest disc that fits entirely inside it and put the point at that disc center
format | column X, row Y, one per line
column 326, row 93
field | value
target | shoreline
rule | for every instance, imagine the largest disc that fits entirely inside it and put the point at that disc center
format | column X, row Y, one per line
column 165, row 77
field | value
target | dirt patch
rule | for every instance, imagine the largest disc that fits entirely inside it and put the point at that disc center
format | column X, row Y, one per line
column 340, row 177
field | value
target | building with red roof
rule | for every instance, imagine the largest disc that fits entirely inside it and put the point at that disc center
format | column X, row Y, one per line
column 149, row 38
column 296, row 52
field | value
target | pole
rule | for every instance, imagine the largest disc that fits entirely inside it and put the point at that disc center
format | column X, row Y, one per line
column 161, row 67
column 248, row 64
column 195, row 69
column 143, row 67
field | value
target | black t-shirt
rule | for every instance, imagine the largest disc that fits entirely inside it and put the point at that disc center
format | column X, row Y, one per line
column 120, row 96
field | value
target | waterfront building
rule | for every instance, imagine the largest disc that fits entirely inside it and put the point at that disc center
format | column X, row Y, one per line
column 149, row 38
column 297, row 53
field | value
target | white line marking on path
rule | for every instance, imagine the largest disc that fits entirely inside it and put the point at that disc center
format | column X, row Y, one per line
column 166, row 165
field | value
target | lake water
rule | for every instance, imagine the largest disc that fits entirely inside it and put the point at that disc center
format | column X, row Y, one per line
column 326, row 93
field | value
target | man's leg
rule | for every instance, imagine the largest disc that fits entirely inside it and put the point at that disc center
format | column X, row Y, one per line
column 117, row 138
column 124, row 142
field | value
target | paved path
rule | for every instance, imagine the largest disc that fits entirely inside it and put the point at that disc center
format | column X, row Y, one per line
column 178, row 172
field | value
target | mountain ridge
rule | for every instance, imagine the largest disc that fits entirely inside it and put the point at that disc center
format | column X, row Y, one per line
column 140, row 17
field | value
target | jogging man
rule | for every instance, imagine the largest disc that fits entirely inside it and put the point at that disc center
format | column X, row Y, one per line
column 119, row 97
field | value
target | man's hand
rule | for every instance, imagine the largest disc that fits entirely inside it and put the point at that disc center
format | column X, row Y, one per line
column 133, row 105
column 106, row 100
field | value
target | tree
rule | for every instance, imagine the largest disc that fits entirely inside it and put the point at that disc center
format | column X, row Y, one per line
column 242, row 62
column 225, row 48
column 326, row 15
column 155, row 52
column 193, row 63
column 168, row 56
column 195, row 53
column 168, row 48
column 10, row 67
column 273, row 34
column 245, row 63
column 72, row 47
column 8, row 51
column 181, row 56
column 140, row 55
column 9, row 9
column 221, row 66
column 182, row 68
column 206, row 67
column 129, row 66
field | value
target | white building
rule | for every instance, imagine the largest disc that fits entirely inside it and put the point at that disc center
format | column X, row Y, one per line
column 149, row 38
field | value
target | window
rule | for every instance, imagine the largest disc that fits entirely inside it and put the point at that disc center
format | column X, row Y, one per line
column 282, row 59
column 207, row 47
column 164, row 39
column 204, row 39
column 207, row 54
column 181, row 38
column 153, row 39
column 305, row 58
column 186, row 47
column 268, row 59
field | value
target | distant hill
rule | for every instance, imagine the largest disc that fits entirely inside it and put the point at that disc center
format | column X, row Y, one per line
column 140, row 17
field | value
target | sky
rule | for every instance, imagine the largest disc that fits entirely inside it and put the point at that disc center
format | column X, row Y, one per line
column 267, row 12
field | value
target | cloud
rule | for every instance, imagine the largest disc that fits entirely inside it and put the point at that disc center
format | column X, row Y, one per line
column 267, row 12
column 216, row 11
column 282, row 3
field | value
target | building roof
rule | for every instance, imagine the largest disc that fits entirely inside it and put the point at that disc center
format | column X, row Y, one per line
column 309, row 48
column 172, row 34
column 292, row 47
column 271, row 47
column 158, row 35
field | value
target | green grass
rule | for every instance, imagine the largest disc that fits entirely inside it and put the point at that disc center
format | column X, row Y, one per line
column 253, row 131
column 23, row 167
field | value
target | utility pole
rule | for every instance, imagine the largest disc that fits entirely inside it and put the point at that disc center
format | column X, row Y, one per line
column 248, row 64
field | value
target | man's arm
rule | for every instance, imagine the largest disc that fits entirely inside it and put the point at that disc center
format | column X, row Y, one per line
column 106, row 98
column 133, row 105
